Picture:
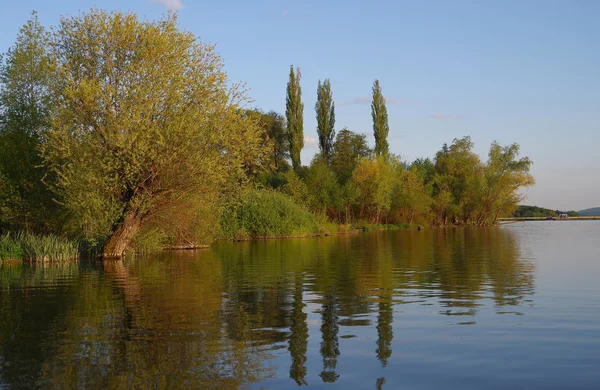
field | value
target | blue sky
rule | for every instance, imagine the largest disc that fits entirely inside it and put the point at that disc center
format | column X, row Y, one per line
column 511, row 71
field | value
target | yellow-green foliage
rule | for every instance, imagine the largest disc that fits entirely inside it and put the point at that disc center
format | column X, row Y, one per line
column 137, row 130
column 146, row 117
column 266, row 213
column 455, row 188
column 375, row 181
column 191, row 221
column 467, row 191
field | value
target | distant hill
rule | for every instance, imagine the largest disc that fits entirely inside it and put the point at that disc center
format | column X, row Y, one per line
column 595, row 212
column 535, row 211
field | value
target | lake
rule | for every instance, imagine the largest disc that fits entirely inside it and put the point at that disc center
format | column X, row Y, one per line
column 511, row 307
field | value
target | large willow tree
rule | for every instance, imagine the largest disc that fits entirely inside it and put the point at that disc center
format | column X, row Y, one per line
column 144, row 120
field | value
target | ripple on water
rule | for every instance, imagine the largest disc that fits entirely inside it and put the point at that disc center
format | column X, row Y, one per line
column 469, row 308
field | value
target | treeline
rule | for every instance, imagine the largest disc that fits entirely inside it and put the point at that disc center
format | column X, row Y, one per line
column 126, row 133
column 535, row 211
column 455, row 188
column 347, row 180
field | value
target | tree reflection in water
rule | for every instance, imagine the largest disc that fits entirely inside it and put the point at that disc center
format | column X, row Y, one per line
column 330, row 342
column 226, row 317
column 298, row 342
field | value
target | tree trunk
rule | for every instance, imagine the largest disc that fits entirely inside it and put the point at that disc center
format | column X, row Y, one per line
column 495, row 217
column 118, row 242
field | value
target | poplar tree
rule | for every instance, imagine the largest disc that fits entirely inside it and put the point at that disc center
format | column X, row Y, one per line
column 293, row 112
column 325, row 109
column 381, row 128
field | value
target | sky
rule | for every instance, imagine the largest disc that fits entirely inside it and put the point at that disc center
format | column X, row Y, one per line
column 507, row 71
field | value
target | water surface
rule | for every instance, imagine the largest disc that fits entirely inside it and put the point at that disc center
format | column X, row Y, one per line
column 510, row 307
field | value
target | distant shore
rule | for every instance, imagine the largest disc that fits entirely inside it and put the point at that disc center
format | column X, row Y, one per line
column 544, row 219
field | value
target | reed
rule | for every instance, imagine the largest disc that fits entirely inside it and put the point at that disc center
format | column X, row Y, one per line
column 37, row 248
column 10, row 248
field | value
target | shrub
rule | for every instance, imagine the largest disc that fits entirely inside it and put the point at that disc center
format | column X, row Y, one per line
column 325, row 226
column 264, row 214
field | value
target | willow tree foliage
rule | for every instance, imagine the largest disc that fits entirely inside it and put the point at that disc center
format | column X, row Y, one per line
column 458, row 173
column 325, row 109
column 375, row 180
column 381, row 128
column 294, row 111
column 468, row 191
column 505, row 174
column 413, row 197
column 26, row 75
column 145, row 120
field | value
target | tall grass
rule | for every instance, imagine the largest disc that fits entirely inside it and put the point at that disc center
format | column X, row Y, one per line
column 37, row 248
column 10, row 248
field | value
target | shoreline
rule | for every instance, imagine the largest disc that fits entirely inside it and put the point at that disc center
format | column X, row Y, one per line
column 365, row 228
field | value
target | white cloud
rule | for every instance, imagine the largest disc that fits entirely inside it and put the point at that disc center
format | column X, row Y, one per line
column 311, row 142
column 356, row 100
column 391, row 100
column 284, row 13
column 170, row 4
column 446, row 116
column 364, row 100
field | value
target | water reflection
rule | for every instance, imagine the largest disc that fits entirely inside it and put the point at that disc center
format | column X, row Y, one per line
column 298, row 342
column 232, row 316
column 330, row 347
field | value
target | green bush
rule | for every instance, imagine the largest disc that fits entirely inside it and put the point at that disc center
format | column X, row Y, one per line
column 326, row 227
column 264, row 214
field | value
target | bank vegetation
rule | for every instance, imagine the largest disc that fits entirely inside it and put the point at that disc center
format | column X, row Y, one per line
column 119, row 133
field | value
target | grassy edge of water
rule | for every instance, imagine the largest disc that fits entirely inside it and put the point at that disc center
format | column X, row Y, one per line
column 330, row 228
column 366, row 226
column 37, row 248
column 33, row 248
